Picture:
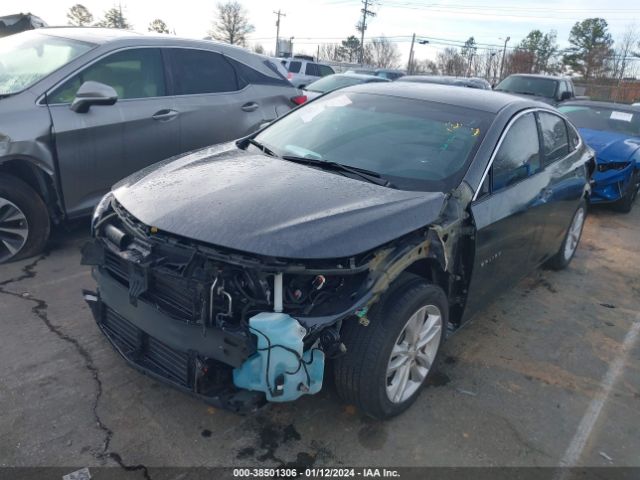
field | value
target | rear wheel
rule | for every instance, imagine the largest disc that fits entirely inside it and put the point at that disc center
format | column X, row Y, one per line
column 388, row 361
column 625, row 204
column 24, row 220
column 570, row 243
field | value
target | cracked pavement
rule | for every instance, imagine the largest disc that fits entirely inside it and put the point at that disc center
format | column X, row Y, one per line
column 512, row 389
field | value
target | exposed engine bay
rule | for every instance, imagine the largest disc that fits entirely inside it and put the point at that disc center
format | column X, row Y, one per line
column 233, row 328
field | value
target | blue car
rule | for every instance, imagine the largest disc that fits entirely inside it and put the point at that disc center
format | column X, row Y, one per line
column 613, row 131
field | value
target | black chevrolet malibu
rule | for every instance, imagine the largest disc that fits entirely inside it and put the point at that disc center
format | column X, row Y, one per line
column 364, row 227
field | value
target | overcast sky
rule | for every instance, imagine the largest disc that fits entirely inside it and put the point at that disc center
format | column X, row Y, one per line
column 326, row 21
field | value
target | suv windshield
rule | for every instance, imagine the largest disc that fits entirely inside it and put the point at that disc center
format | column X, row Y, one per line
column 333, row 82
column 28, row 57
column 603, row 118
column 543, row 87
column 415, row 144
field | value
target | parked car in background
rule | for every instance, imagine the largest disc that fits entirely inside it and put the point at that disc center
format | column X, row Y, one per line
column 613, row 131
column 388, row 73
column 20, row 22
column 339, row 80
column 81, row 108
column 470, row 82
column 364, row 226
column 545, row 88
column 303, row 70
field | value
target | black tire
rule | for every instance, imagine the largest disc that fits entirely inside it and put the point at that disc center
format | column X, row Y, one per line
column 361, row 374
column 560, row 260
column 31, row 205
column 625, row 204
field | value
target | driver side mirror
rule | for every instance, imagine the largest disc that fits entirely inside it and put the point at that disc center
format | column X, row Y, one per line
column 565, row 96
column 93, row 93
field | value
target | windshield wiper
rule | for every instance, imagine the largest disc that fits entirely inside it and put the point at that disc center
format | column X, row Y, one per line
column 368, row 175
column 262, row 147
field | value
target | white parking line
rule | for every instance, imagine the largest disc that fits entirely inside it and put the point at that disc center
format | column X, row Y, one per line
column 588, row 422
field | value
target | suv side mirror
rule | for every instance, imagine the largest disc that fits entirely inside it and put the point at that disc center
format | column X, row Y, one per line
column 565, row 96
column 93, row 93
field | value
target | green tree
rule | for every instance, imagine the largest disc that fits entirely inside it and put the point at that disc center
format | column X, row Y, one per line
column 158, row 26
column 539, row 50
column 232, row 25
column 590, row 46
column 113, row 18
column 79, row 16
column 351, row 48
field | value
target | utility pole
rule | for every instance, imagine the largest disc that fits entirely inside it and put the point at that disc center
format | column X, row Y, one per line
column 363, row 25
column 410, row 63
column 279, row 14
column 504, row 52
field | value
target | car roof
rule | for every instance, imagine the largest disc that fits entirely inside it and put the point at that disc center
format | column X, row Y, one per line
column 484, row 100
column 96, row 35
column 594, row 103
column 362, row 76
column 539, row 75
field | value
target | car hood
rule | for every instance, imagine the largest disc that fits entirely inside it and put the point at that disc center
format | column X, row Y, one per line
column 610, row 146
column 249, row 202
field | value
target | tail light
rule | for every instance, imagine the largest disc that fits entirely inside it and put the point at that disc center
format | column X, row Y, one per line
column 299, row 99
column 289, row 76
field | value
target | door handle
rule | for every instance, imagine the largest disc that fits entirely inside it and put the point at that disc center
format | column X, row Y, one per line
column 164, row 114
column 250, row 107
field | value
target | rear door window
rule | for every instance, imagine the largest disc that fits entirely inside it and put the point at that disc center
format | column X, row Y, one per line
column 312, row 69
column 518, row 156
column 294, row 67
column 201, row 71
column 554, row 137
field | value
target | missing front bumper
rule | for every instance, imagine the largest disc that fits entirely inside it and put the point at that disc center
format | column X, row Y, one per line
column 187, row 369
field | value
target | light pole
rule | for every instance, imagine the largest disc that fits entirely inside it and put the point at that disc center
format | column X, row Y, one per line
column 410, row 63
column 504, row 52
column 291, row 46
column 279, row 14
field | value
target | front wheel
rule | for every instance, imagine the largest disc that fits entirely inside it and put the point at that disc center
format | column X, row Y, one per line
column 388, row 361
column 569, row 245
column 24, row 220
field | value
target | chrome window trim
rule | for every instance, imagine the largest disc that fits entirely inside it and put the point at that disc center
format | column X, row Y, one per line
column 506, row 131
column 40, row 101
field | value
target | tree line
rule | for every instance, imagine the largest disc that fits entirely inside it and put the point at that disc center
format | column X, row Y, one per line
column 592, row 51
column 592, row 54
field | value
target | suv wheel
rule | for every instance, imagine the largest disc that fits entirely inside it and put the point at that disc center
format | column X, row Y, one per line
column 388, row 361
column 24, row 220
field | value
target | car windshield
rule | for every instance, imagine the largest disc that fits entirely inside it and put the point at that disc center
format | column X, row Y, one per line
column 415, row 144
column 28, row 57
column 606, row 119
column 332, row 82
column 543, row 87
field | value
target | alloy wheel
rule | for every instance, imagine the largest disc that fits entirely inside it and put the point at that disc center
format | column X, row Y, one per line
column 573, row 235
column 14, row 229
column 413, row 353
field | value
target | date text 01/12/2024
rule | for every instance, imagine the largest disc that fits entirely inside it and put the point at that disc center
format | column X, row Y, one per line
column 315, row 473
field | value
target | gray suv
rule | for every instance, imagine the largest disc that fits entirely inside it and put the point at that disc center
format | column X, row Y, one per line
column 81, row 108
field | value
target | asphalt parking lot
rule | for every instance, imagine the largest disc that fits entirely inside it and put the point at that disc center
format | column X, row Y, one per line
column 549, row 375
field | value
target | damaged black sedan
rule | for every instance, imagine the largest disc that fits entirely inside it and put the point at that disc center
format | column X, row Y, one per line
column 364, row 227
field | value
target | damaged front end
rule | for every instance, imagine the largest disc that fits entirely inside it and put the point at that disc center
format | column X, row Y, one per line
column 232, row 328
